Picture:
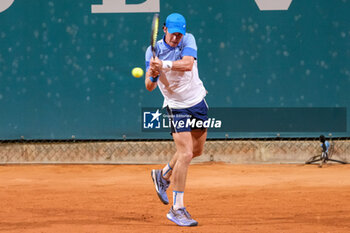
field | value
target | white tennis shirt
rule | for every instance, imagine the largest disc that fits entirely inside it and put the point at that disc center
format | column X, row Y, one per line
column 181, row 89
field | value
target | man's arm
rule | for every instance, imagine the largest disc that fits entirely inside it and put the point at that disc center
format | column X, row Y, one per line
column 151, row 74
column 185, row 64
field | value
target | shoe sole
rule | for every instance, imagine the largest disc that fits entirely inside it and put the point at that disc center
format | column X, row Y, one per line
column 171, row 219
column 153, row 174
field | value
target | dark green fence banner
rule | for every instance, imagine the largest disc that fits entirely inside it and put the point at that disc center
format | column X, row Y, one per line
column 65, row 67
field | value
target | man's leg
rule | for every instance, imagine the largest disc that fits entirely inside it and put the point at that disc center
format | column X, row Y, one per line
column 168, row 169
column 199, row 137
column 184, row 155
column 161, row 179
column 188, row 146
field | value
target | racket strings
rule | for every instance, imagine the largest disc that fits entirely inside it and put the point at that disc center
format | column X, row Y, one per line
column 155, row 31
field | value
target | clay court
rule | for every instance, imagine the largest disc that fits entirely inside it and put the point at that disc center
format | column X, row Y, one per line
column 221, row 197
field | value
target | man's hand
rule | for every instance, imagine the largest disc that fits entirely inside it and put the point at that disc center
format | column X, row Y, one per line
column 156, row 64
column 153, row 72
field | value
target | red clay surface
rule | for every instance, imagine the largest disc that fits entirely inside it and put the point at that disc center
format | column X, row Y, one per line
column 221, row 197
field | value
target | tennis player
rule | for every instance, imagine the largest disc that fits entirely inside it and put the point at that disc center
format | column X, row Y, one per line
column 325, row 147
column 174, row 70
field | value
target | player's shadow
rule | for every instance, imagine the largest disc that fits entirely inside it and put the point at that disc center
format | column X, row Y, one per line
column 326, row 155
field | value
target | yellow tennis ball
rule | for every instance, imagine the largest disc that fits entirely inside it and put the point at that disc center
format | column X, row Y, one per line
column 137, row 72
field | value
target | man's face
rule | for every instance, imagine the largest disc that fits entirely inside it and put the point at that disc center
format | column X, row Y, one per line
column 172, row 39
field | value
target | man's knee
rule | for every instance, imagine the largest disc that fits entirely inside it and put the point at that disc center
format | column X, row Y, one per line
column 185, row 157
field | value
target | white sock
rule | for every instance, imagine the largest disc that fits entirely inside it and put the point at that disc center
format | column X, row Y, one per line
column 167, row 170
column 178, row 200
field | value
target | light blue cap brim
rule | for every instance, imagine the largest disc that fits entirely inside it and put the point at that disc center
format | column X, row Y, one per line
column 176, row 29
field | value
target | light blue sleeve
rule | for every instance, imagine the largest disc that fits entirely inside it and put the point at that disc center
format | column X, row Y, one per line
column 327, row 144
column 190, row 46
column 148, row 57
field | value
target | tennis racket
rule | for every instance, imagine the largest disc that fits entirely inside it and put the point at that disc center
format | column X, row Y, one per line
column 154, row 33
